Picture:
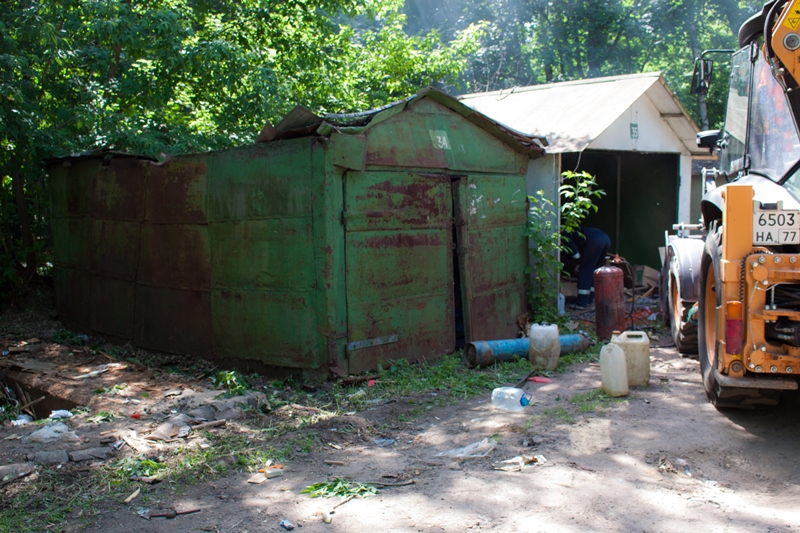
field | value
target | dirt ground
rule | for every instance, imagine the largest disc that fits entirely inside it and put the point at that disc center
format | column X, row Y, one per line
column 662, row 459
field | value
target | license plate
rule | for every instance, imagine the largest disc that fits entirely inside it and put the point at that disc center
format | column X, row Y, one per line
column 776, row 227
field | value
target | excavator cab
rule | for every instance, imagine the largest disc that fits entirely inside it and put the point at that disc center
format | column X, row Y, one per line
column 744, row 272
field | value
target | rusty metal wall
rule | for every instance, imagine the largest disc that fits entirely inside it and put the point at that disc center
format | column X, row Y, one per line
column 173, row 311
column 302, row 254
column 207, row 254
column 491, row 213
column 117, row 206
column 261, row 206
column 398, row 245
column 430, row 136
column 71, row 185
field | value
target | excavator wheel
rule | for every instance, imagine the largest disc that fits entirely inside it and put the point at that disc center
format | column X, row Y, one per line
column 710, row 290
column 684, row 331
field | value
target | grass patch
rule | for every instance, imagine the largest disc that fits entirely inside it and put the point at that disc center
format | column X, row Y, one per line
column 448, row 374
column 591, row 401
column 562, row 414
column 592, row 355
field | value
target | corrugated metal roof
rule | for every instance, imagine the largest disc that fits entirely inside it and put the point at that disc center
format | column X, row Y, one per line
column 301, row 122
column 572, row 114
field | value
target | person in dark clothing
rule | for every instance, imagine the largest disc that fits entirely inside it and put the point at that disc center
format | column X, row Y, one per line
column 589, row 247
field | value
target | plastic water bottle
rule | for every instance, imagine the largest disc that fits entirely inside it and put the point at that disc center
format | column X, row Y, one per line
column 510, row 398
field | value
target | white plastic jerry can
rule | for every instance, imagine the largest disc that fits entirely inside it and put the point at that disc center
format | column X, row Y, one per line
column 545, row 346
column 636, row 346
column 613, row 370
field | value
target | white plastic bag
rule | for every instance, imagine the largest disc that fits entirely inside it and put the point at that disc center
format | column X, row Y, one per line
column 54, row 432
column 474, row 450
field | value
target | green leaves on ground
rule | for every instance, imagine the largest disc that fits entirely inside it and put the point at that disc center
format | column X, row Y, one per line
column 341, row 487
column 137, row 466
column 234, row 383
column 101, row 417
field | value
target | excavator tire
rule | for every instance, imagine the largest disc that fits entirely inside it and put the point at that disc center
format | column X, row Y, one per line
column 684, row 331
column 710, row 299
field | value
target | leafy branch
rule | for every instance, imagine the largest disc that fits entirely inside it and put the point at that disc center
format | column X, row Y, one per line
column 578, row 192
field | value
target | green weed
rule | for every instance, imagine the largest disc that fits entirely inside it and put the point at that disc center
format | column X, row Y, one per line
column 592, row 355
column 66, row 336
column 99, row 418
column 341, row 487
column 114, row 389
column 591, row 401
column 560, row 413
column 234, row 383
column 130, row 466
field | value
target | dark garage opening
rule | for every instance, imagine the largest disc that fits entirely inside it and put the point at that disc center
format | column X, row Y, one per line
column 641, row 200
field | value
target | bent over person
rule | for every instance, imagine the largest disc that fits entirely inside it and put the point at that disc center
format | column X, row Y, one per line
column 589, row 247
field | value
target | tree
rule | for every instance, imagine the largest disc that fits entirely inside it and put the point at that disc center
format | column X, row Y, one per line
column 528, row 42
column 185, row 75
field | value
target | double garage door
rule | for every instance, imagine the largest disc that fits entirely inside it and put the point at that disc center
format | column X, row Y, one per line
column 430, row 255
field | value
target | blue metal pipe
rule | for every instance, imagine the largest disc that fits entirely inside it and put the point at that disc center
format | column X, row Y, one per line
column 484, row 353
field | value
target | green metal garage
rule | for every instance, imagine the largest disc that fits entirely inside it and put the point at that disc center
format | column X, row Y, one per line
column 336, row 243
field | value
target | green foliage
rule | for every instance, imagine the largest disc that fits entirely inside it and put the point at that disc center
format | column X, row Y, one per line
column 591, row 401
column 112, row 390
column 140, row 466
column 234, row 383
column 101, row 417
column 528, row 42
column 179, row 75
column 448, row 373
column 9, row 410
column 66, row 336
column 341, row 487
column 578, row 191
column 544, row 241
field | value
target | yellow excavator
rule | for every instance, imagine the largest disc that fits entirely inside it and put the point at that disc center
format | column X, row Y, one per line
column 733, row 290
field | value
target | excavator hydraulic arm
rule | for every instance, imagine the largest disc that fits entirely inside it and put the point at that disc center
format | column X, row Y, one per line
column 782, row 36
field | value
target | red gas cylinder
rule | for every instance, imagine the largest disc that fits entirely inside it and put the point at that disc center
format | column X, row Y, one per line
column 609, row 301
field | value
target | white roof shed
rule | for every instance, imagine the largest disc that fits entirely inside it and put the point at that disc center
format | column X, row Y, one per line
column 635, row 113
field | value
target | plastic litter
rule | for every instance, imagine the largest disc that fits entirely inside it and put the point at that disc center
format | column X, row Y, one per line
column 510, row 398
column 518, row 463
column 13, row 472
column 22, row 420
column 545, row 348
column 60, row 413
column 54, row 432
column 384, row 442
column 613, row 370
column 474, row 450
column 288, row 526
column 176, row 427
